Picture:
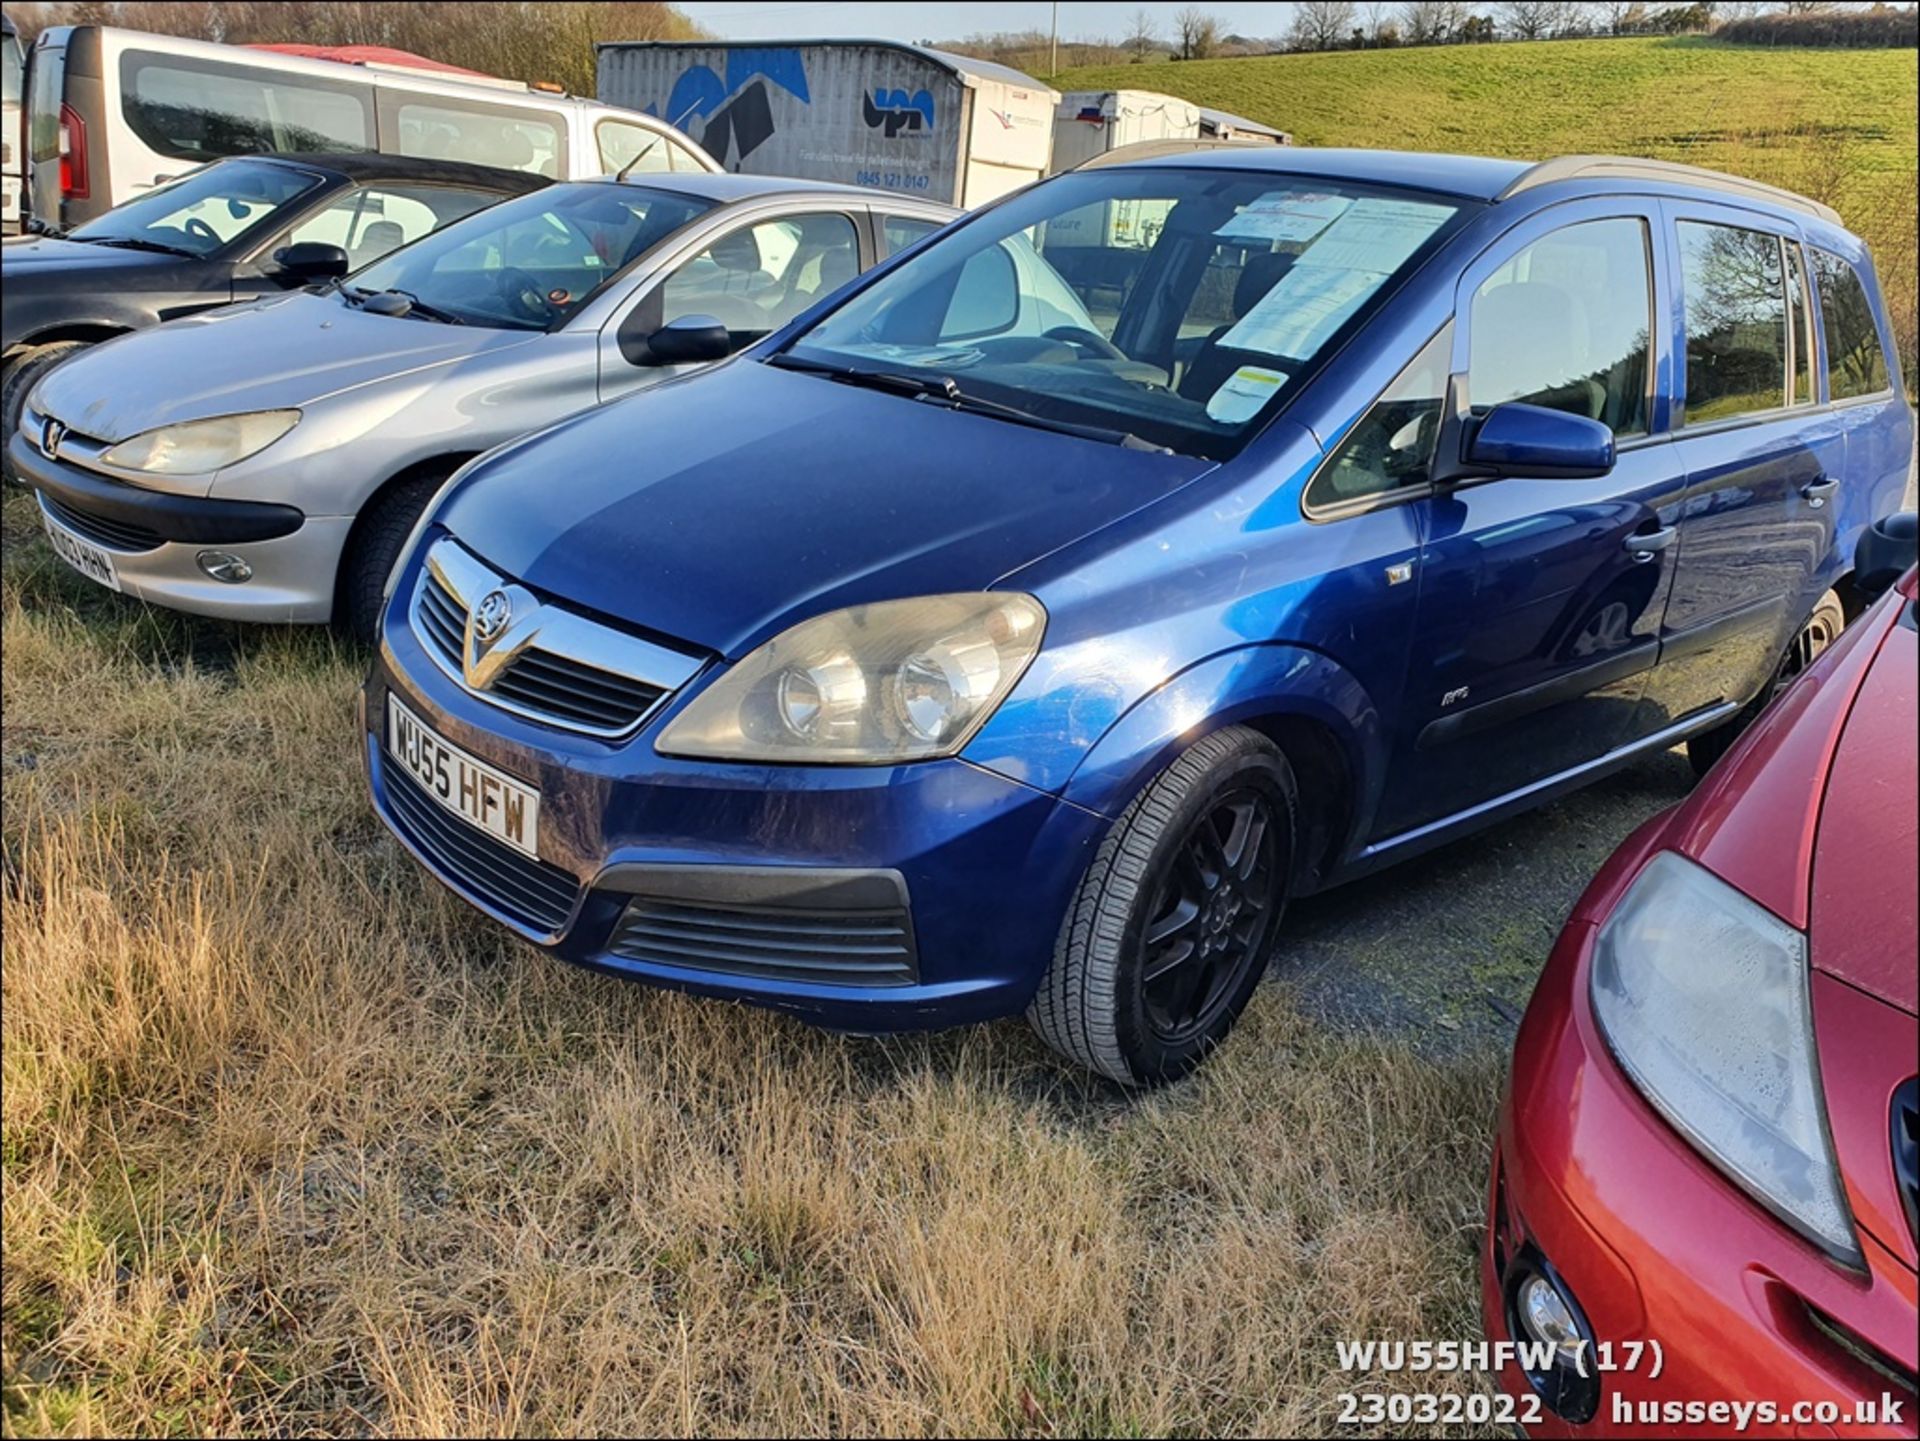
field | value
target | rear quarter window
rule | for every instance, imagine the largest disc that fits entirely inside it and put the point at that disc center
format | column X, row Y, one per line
column 1856, row 365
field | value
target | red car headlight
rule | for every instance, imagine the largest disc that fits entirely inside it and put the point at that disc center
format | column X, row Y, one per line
column 1704, row 998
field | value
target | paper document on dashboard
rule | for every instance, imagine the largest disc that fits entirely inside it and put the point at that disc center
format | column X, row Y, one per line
column 1375, row 235
column 1288, row 215
column 1295, row 318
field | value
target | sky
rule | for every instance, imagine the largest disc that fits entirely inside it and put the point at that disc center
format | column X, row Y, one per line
column 898, row 20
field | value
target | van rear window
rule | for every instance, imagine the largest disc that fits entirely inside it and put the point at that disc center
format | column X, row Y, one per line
column 188, row 110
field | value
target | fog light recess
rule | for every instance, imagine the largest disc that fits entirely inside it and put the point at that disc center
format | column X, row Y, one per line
column 224, row 566
column 1542, row 1312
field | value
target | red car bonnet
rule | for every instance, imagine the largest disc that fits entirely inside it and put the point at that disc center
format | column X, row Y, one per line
column 1865, row 909
column 1753, row 822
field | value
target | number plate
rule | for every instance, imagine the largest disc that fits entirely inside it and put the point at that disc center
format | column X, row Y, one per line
column 483, row 797
column 83, row 555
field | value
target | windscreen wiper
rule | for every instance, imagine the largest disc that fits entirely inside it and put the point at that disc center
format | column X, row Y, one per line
column 396, row 303
column 133, row 242
column 419, row 307
column 945, row 390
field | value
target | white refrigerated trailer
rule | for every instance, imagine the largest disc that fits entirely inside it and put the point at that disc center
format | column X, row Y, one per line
column 863, row 112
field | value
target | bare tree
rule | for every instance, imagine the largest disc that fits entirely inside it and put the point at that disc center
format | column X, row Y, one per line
column 1533, row 19
column 1143, row 33
column 1431, row 22
column 1198, row 33
column 1321, row 25
column 1622, row 16
column 1377, row 16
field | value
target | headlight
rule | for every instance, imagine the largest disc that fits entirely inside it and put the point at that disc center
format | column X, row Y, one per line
column 902, row 680
column 1703, row 996
column 196, row 447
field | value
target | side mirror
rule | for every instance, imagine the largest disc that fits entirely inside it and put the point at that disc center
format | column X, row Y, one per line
column 690, row 340
column 1885, row 552
column 312, row 261
column 1530, row 440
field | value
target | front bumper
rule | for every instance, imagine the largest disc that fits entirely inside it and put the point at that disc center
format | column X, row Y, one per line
column 1655, row 1245
column 155, row 536
column 946, row 880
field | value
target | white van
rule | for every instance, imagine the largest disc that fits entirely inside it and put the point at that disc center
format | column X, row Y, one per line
column 13, row 165
column 113, row 113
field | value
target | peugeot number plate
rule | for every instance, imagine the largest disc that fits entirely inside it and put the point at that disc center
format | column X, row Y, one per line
column 83, row 555
column 483, row 797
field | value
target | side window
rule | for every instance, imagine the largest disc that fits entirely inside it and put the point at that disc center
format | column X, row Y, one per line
column 622, row 145
column 1736, row 308
column 513, row 139
column 189, row 111
column 1855, row 363
column 1391, row 449
column 905, row 230
column 758, row 277
column 1565, row 324
column 986, row 296
column 369, row 221
column 1800, row 326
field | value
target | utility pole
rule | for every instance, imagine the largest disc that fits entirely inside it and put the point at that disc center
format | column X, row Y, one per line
column 1053, row 48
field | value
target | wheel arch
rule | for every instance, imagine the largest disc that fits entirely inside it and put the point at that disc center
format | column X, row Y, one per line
column 91, row 332
column 1304, row 701
column 443, row 466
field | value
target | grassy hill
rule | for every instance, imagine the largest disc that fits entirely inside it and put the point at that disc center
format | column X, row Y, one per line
column 1836, row 125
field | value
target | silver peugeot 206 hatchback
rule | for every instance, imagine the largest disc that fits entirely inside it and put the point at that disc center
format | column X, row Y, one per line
column 267, row 461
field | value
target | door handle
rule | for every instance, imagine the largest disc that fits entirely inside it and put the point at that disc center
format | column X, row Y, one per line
column 1816, row 491
column 1646, row 544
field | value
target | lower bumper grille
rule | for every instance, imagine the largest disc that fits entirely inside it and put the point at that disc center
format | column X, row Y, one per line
column 538, row 895
column 103, row 530
column 832, row 947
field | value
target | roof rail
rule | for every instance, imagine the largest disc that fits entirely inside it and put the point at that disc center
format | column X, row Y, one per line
column 1155, row 149
column 1622, row 167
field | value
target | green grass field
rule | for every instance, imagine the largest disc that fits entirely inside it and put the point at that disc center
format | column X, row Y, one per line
column 1836, row 125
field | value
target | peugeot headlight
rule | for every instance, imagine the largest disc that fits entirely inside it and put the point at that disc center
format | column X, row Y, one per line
column 1703, row 996
column 197, row 447
column 901, row 680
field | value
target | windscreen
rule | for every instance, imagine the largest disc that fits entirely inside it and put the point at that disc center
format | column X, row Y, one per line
column 203, row 210
column 531, row 263
column 1179, row 305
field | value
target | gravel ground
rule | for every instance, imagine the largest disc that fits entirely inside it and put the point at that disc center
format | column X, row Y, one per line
column 1444, row 949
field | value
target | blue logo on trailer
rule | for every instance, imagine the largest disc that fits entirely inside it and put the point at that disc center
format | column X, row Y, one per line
column 897, row 112
column 737, row 111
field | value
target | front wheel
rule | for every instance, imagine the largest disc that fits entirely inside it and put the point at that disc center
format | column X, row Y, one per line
column 1172, row 926
column 1822, row 629
column 382, row 529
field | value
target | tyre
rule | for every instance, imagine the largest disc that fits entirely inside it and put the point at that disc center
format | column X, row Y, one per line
column 21, row 378
column 371, row 551
column 1172, row 926
column 1821, row 630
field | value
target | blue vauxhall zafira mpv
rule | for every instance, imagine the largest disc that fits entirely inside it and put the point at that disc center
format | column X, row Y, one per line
column 1022, row 627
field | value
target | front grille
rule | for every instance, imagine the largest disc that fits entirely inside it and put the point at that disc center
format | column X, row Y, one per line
column 103, row 530
column 538, row 895
column 834, row 947
column 568, row 690
column 1906, row 1149
column 553, row 677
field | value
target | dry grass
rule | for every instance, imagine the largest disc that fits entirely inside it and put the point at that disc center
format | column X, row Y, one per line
column 294, row 1142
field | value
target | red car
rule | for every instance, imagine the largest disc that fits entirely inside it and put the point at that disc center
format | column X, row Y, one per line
column 1704, row 1185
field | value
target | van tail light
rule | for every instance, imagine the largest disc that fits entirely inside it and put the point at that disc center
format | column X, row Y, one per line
column 73, row 155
